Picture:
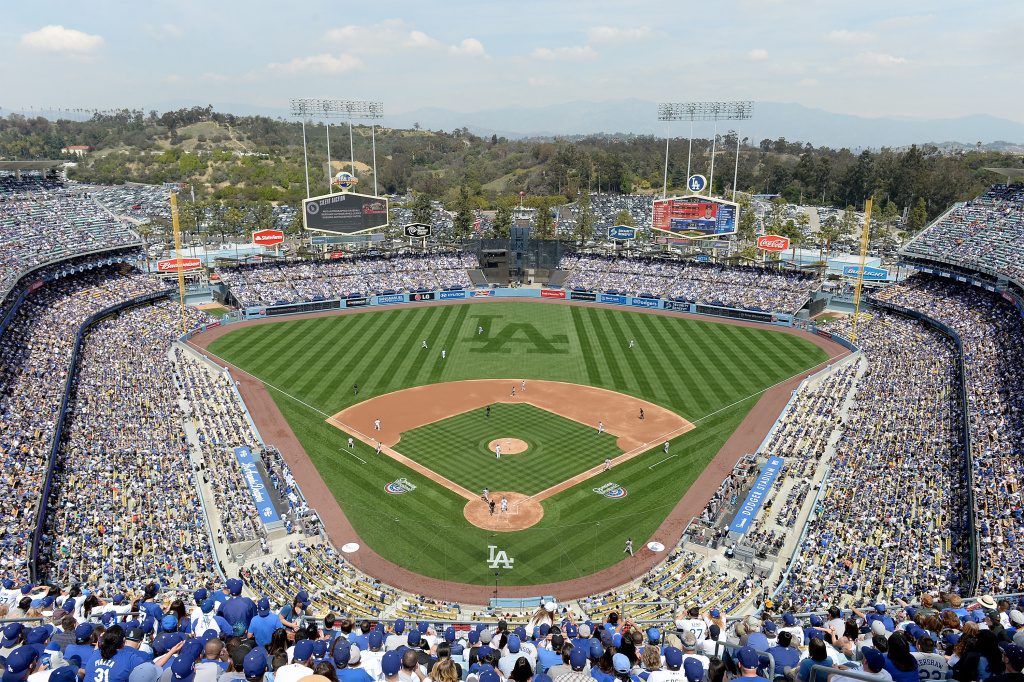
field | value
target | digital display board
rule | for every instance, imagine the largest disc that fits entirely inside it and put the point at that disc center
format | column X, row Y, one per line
column 695, row 217
column 345, row 213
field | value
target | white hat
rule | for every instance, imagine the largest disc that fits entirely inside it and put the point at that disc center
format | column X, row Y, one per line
column 550, row 606
column 988, row 601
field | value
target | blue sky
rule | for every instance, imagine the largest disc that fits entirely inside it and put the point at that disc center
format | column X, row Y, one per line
column 893, row 58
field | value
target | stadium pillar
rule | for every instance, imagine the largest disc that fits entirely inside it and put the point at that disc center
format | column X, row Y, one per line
column 664, row 182
column 330, row 187
column 305, row 161
column 711, row 177
column 373, row 143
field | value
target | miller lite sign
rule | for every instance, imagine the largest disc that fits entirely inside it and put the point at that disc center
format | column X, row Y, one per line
column 772, row 242
column 267, row 237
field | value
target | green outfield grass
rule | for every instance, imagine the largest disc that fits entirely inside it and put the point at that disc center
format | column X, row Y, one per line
column 559, row 448
column 709, row 373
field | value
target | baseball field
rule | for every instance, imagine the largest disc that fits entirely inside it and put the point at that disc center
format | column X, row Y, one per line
column 331, row 377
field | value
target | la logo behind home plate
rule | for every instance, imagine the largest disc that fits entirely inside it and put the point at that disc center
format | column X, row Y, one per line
column 499, row 559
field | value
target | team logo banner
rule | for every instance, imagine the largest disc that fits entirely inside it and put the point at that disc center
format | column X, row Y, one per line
column 399, row 487
column 613, row 491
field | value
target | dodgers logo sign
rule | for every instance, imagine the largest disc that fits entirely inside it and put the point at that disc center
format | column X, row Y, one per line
column 696, row 183
column 498, row 558
column 399, row 487
column 745, row 516
column 612, row 491
column 257, row 488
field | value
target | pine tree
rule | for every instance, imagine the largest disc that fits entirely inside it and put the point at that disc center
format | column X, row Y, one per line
column 584, row 218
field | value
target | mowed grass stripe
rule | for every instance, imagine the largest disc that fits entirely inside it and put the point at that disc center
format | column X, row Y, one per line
column 586, row 347
column 450, row 339
column 374, row 367
column 609, row 347
column 401, row 347
column 637, row 366
column 420, row 356
column 334, row 348
column 354, row 356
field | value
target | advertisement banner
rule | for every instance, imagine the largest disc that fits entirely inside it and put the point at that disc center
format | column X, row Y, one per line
column 552, row 293
column 613, row 298
column 257, row 488
column 171, row 264
column 645, row 302
column 870, row 274
column 267, row 237
column 745, row 516
column 679, row 306
column 582, row 296
column 424, row 296
column 356, row 301
column 388, row 299
column 344, row 213
column 484, row 292
column 773, row 242
column 448, row 295
column 621, row 233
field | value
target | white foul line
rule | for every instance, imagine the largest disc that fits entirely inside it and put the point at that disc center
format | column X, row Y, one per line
column 664, row 460
column 353, row 454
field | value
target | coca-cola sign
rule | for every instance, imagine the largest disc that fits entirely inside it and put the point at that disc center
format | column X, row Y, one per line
column 772, row 242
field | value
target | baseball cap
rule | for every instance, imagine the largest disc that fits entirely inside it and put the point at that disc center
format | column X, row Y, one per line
column 82, row 633
column 12, row 631
column 596, row 650
column 878, row 627
column 414, row 637
column 816, row 621
column 621, row 663
column 449, row 634
column 399, row 626
column 873, row 657
column 673, row 658
column 910, row 611
column 37, row 635
column 541, row 677
column 571, row 631
column 422, row 626
column 201, row 595
column 135, row 635
column 263, row 606
column 545, row 629
column 585, row 631
column 770, row 628
column 473, row 636
column 789, row 619
column 880, row 607
column 19, row 662
column 320, row 649
column 119, row 598
column 1017, row 617
column 207, row 605
column 689, row 640
column 693, row 669
column 485, row 637
column 489, row 676
column 255, row 664
column 342, row 654
column 9, row 585
column 391, row 663
column 653, row 635
column 144, row 672
column 748, row 658
column 183, row 669
column 1014, row 654
column 303, row 650
column 169, row 623
column 714, row 613
column 375, row 639
column 235, row 586
column 65, row 673
column 578, row 658
column 513, row 644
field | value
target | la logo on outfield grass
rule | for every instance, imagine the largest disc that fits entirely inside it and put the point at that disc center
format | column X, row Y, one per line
column 499, row 559
column 611, row 490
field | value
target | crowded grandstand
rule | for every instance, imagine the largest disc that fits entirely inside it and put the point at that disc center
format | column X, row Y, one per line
column 132, row 547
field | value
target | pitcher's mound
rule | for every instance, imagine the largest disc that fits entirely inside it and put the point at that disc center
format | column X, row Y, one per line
column 509, row 446
column 523, row 511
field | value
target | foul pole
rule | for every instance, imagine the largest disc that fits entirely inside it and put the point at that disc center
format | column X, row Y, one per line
column 177, row 253
column 860, row 269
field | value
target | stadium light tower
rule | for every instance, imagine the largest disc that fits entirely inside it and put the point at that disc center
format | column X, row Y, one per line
column 321, row 108
column 704, row 111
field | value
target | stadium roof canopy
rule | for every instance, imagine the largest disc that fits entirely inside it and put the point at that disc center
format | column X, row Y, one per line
column 46, row 164
column 1008, row 172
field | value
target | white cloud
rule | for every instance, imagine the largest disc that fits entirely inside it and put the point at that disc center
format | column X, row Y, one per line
column 614, row 34
column 579, row 53
column 421, row 39
column 214, row 77
column 317, row 63
column 172, row 79
column 807, row 82
column 845, row 37
column 59, row 39
column 880, row 59
column 469, row 47
column 758, row 54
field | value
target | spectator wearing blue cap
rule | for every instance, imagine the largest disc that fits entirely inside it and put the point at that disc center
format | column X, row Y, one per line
column 21, row 663
column 361, row 636
column 693, row 670
column 12, row 638
column 291, row 616
column 397, row 636
column 354, row 671
column 236, row 609
column 84, row 644
column 623, row 669
column 200, row 595
column 208, row 620
column 374, row 653
column 390, row 666
column 514, row 647
column 264, row 623
column 748, row 662
column 872, row 664
column 673, row 670
column 112, row 661
column 255, row 665
column 301, row 665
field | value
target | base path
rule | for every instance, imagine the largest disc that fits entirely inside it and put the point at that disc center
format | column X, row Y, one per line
column 276, row 431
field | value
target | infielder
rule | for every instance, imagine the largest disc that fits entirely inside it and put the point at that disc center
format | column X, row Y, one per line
column 497, row 450
column 513, row 391
column 524, row 386
column 376, row 424
column 600, row 427
column 378, row 447
column 607, row 464
column 641, row 414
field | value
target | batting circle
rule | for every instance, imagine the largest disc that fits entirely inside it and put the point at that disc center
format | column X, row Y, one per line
column 509, row 446
column 523, row 512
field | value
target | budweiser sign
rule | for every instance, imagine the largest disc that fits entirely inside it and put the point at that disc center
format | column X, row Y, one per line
column 171, row 264
column 773, row 242
column 267, row 237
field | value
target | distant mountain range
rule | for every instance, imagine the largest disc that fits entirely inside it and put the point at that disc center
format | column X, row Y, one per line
column 771, row 120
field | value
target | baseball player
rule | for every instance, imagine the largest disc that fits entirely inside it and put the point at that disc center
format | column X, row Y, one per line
column 424, row 344
column 444, row 353
column 665, row 447
column 487, row 412
column 479, row 331
column 378, row 447
column 351, row 443
column 632, row 343
column 355, row 389
column 504, row 504
column 641, row 414
column 600, row 427
column 497, row 450
column 376, row 424
column 513, row 391
column 607, row 464
column 629, row 547
column 524, row 386
column 490, row 505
